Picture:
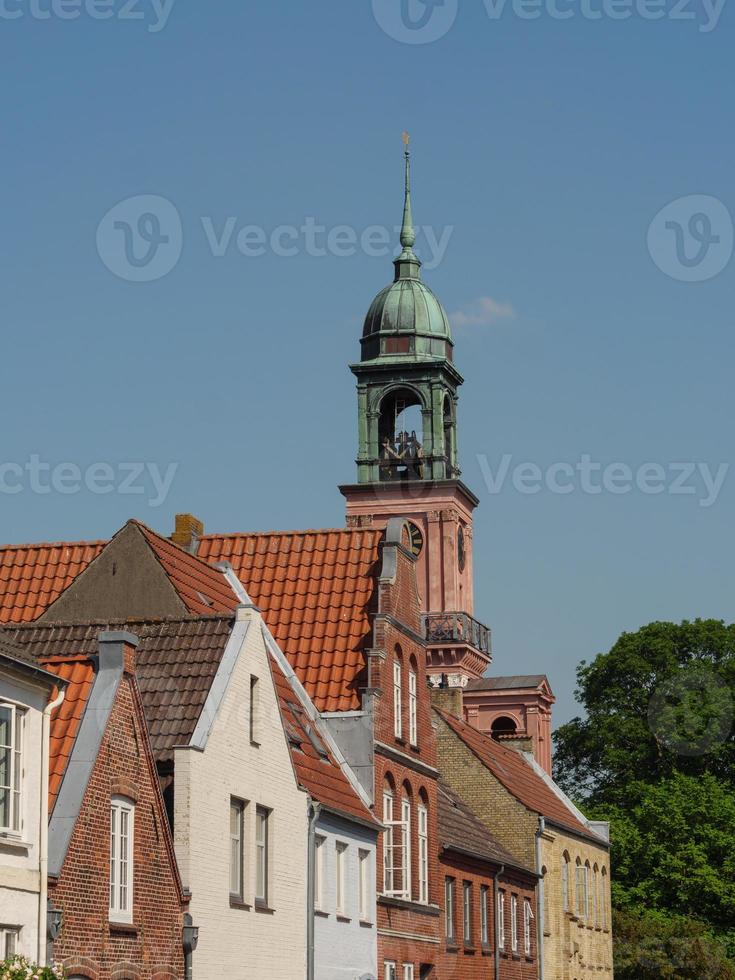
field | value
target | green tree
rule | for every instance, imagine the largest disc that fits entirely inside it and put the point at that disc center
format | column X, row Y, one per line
column 658, row 703
column 653, row 946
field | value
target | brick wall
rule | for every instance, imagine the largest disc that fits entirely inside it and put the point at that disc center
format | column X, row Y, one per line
column 475, row 960
column 88, row 944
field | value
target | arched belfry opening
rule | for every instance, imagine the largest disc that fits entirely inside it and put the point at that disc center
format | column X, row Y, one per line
column 401, row 436
column 450, row 449
column 503, row 726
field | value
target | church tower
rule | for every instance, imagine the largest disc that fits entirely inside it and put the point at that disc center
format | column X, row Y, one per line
column 408, row 460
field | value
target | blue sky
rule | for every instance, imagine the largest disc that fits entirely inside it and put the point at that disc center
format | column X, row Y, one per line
column 543, row 147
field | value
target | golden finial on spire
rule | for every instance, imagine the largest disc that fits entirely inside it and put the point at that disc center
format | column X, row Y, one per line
column 406, row 138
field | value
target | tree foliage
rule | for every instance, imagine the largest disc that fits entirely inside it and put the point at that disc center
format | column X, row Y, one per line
column 653, row 946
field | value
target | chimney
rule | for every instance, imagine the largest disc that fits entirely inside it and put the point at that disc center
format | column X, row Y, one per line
column 187, row 532
column 117, row 650
column 449, row 699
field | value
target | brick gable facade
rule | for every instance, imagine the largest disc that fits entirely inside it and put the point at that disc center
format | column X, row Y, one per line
column 89, row 945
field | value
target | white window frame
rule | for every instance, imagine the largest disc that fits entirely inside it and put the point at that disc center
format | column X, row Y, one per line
column 390, row 971
column 467, row 912
column 237, row 848
column 501, row 919
column 412, row 708
column 397, row 700
column 406, row 869
column 408, row 971
column 122, row 848
column 449, row 884
column 262, row 855
column 527, row 917
column 12, row 790
column 484, row 924
column 363, row 877
column 319, row 851
column 423, row 836
column 388, row 871
column 340, row 877
column 596, row 896
column 9, row 941
column 514, row 923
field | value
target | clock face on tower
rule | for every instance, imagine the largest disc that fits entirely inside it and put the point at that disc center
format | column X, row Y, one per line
column 417, row 538
column 461, row 554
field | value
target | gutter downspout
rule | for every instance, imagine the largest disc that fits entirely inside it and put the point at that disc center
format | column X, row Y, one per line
column 314, row 811
column 500, row 871
column 541, row 900
column 43, row 824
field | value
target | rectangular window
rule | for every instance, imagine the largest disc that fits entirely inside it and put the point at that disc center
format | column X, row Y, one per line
column 388, row 843
column 8, row 941
column 397, row 705
column 423, row 854
column 501, row 920
column 390, row 972
column 262, row 870
column 449, row 908
column 237, row 850
column 11, row 767
column 527, row 916
column 467, row 912
column 412, row 708
column 341, row 878
column 122, row 814
column 364, row 885
column 319, row 850
column 254, row 710
column 484, row 932
column 514, row 923
column 408, row 971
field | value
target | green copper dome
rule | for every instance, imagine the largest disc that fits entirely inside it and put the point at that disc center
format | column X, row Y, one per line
column 406, row 319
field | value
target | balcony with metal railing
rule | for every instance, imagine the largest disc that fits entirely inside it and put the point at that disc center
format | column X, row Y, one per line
column 457, row 628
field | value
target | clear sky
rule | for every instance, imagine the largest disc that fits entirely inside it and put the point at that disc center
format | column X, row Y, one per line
column 546, row 136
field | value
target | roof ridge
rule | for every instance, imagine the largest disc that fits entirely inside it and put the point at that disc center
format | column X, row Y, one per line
column 54, row 544
column 293, row 533
column 184, row 618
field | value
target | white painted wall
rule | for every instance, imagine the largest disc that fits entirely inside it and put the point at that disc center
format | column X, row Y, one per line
column 243, row 943
column 20, row 856
column 344, row 947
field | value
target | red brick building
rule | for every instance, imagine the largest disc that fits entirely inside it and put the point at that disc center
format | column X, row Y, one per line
column 113, row 879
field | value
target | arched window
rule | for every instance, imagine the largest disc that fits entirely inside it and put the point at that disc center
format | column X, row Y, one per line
column 579, row 889
column 388, row 804
column 400, row 433
column 423, row 841
column 586, row 893
column 545, row 907
column 596, row 897
column 604, row 899
column 406, row 843
column 397, row 694
column 413, row 703
column 122, row 820
column 565, row 882
column 503, row 726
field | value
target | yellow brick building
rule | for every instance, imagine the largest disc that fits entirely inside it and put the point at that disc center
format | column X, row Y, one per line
column 531, row 816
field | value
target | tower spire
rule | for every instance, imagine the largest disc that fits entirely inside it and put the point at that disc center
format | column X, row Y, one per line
column 407, row 264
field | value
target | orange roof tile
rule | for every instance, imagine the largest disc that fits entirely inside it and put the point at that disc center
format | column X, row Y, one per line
column 316, row 590
column 32, row 576
column 201, row 587
column 518, row 777
column 318, row 772
column 78, row 672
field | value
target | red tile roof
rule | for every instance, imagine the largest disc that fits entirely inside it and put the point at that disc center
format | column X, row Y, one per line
column 78, row 672
column 317, row 771
column 316, row 592
column 32, row 576
column 201, row 587
column 518, row 777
